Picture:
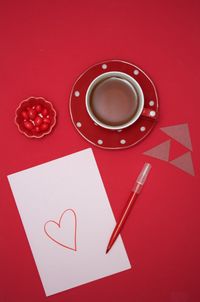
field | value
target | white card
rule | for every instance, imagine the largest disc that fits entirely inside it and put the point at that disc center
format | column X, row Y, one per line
column 68, row 221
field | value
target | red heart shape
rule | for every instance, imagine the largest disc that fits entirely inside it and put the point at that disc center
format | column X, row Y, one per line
column 58, row 232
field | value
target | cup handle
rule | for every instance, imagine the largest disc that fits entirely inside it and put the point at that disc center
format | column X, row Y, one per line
column 150, row 113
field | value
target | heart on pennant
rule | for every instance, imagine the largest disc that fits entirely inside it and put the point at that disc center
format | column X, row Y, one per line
column 63, row 232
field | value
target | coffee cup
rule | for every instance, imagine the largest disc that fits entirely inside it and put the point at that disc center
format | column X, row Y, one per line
column 115, row 100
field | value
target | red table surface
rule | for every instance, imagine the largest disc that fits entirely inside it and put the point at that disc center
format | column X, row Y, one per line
column 45, row 45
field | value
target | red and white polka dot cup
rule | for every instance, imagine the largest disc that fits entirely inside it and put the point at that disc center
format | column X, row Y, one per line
column 130, row 81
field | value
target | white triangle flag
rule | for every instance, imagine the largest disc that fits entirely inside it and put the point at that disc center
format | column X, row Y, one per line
column 160, row 151
column 184, row 162
column 180, row 133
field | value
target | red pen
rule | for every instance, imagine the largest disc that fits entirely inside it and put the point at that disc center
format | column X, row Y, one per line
column 132, row 198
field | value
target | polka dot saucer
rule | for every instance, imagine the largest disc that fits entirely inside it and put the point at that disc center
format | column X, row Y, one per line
column 113, row 139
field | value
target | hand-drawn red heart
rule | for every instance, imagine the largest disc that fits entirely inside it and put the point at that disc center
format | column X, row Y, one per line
column 64, row 231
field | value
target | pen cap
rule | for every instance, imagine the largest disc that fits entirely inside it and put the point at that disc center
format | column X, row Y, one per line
column 143, row 174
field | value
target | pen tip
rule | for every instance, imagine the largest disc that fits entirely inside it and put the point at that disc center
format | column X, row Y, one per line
column 107, row 250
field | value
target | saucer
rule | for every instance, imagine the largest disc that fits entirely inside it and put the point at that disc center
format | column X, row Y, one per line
column 105, row 138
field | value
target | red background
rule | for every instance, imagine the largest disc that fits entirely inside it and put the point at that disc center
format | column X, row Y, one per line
column 45, row 45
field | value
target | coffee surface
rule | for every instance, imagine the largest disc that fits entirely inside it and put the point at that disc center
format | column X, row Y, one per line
column 114, row 101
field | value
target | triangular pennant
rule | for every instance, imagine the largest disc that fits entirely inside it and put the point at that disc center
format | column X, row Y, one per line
column 180, row 133
column 160, row 151
column 184, row 162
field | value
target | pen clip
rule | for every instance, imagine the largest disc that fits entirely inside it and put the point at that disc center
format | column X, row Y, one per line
column 143, row 174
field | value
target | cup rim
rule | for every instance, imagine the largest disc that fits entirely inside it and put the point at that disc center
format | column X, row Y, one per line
column 123, row 76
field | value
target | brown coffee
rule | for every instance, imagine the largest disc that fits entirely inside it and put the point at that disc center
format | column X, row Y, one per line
column 114, row 101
